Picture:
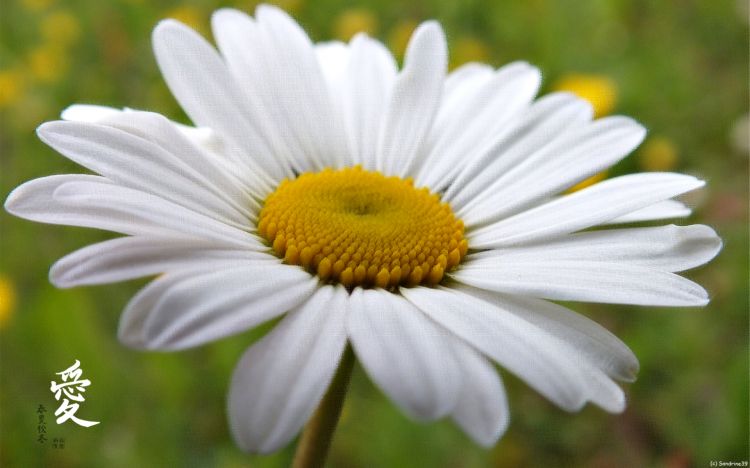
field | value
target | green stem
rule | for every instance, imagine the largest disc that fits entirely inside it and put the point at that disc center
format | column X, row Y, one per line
column 312, row 448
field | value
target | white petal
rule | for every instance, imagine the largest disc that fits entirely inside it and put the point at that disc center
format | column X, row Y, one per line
column 298, row 114
column 131, row 330
column 663, row 210
column 198, row 148
column 213, row 304
column 110, row 207
column 668, row 248
column 543, row 124
column 133, row 319
column 93, row 201
column 333, row 58
column 458, row 87
column 582, row 153
column 477, row 120
column 281, row 379
column 33, row 200
column 303, row 95
column 589, row 340
column 666, row 209
column 586, row 208
column 142, row 164
column 210, row 96
column 406, row 355
column 127, row 258
column 459, row 83
column 541, row 359
column 88, row 113
column 575, row 280
column 369, row 77
column 482, row 408
column 414, row 101
column 242, row 45
column 200, row 136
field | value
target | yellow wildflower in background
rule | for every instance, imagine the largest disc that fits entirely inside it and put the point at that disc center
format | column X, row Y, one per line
column 588, row 182
column 292, row 6
column 399, row 36
column 61, row 28
column 468, row 49
column 739, row 135
column 12, row 87
column 354, row 20
column 599, row 90
column 7, row 300
column 658, row 154
column 37, row 5
column 47, row 63
column 191, row 16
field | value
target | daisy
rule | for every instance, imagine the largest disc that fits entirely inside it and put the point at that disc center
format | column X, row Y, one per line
column 418, row 215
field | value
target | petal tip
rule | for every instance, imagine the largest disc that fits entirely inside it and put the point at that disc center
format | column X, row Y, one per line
column 617, row 407
column 57, row 277
column 11, row 202
column 428, row 34
column 226, row 15
column 169, row 32
column 49, row 130
column 168, row 25
column 130, row 338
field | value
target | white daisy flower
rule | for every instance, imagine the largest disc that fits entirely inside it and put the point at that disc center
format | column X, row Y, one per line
column 416, row 214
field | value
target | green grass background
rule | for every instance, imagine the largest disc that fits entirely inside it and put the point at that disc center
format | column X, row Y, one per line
column 680, row 68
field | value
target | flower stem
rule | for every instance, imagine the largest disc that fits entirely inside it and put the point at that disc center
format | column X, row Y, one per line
column 312, row 448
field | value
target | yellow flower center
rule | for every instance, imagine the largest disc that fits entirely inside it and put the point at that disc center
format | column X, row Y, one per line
column 361, row 228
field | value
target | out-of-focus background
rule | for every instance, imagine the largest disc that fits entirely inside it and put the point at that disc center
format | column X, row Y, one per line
column 678, row 67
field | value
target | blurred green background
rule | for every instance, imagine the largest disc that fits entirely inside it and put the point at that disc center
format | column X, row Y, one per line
column 678, row 67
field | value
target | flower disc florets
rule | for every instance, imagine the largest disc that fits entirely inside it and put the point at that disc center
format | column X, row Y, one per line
column 361, row 228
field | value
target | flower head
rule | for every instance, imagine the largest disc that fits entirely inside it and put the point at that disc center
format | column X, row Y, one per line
column 418, row 215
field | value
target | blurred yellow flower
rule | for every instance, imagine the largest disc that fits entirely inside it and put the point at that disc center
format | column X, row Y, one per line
column 37, row 106
column 399, row 36
column 739, row 135
column 191, row 16
column 12, row 87
column 599, row 90
column 37, row 5
column 61, row 28
column 468, row 49
column 47, row 63
column 658, row 154
column 352, row 21
column 588, row 182
column 511, row 452
column 7, row 300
